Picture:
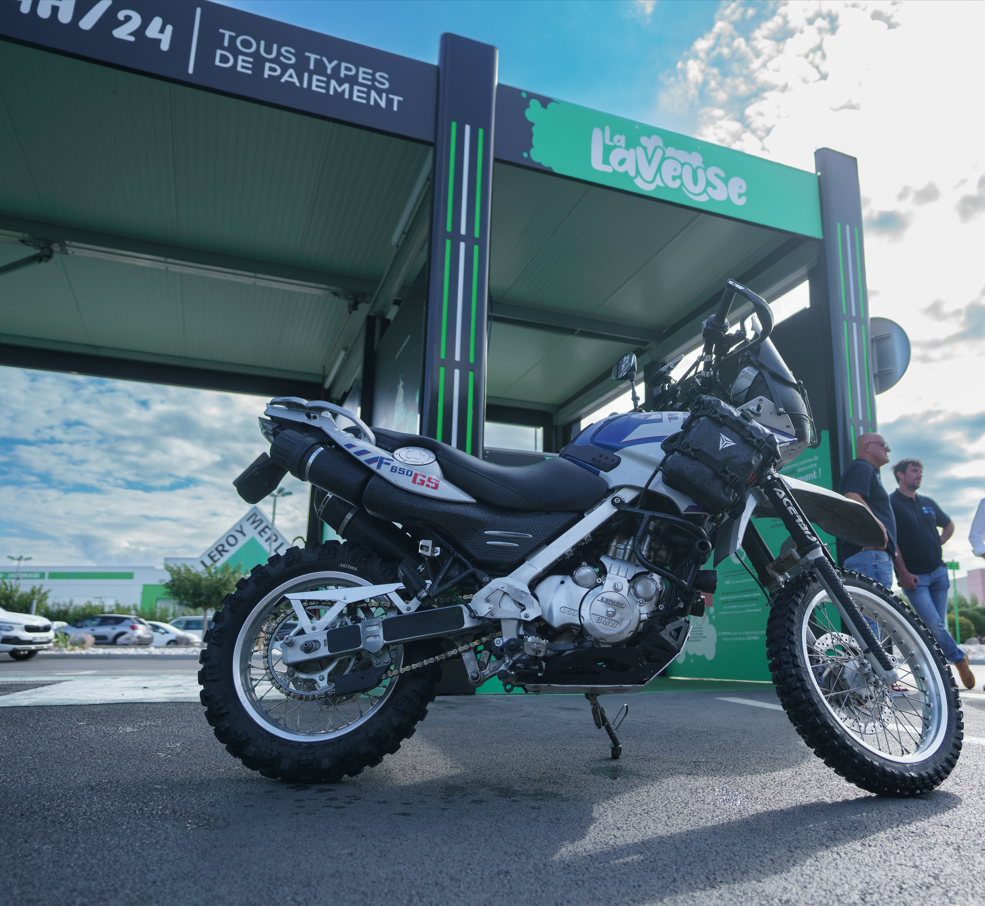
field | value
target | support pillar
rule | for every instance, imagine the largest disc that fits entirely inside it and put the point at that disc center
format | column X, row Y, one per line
column 838, row 287
column 455, row 351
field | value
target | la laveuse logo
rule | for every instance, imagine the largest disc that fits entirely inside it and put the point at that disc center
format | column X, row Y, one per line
column 574, row 141
column 650, row 164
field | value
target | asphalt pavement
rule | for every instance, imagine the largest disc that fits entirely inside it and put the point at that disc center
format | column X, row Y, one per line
column 496, row 798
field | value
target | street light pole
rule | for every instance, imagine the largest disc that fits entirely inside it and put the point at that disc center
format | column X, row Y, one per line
column 954, row 566
column 18, row 561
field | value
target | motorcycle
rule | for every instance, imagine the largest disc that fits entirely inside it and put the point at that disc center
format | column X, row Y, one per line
column 579, row 574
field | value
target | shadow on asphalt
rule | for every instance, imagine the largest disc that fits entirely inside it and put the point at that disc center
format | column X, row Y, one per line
column 493, row 800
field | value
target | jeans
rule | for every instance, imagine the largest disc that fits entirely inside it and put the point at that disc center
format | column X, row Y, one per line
column 929, row 600
column 877, row 565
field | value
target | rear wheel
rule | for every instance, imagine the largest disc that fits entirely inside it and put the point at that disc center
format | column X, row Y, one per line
column 287, row 722
column 894, row 741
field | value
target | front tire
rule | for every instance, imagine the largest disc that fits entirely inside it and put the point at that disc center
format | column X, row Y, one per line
column 883, row 740
column 287, row 723
column 22, row 655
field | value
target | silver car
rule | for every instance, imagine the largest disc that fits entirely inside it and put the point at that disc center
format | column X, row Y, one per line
column 191, row 625
column 112, row 629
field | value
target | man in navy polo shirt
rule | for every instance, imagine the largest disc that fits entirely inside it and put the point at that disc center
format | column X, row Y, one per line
column 924, row 576
column 860, row 482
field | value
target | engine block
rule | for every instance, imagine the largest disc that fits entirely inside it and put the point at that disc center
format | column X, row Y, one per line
column 610, row 609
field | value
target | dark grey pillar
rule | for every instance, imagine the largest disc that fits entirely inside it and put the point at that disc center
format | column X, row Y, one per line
column 455, row 351
column 838, row 288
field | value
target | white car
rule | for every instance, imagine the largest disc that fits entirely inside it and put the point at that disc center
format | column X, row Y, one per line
column 166, row 635
column 192, row 625
column 23, row 635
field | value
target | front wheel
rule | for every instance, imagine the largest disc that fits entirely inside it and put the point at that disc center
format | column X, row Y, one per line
column 900, row 740
column 22, row 655
column 287, row 722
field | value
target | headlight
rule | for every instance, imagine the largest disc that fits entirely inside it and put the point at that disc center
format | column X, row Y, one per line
column 9, row 627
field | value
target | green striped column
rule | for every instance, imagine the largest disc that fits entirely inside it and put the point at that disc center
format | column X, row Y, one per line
column 455, row 353
column 844, row 301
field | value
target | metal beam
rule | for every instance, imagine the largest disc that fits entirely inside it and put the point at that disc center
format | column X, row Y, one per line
column 506, row 402
column 42, row 257
column 171, row 370
column 573, row 325
column 199, row 262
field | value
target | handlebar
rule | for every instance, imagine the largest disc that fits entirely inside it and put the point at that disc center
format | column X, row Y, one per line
column 716, row 325
column 720, row 318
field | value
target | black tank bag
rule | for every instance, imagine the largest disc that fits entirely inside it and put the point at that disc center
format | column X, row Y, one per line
column 716, row 457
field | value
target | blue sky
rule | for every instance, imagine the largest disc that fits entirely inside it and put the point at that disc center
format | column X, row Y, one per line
column 110, row 472
column 587, row 51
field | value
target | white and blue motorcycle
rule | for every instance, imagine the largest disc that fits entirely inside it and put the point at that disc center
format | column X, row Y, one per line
column 578, row 574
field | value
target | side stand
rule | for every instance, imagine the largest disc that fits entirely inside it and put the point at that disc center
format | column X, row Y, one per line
column 602, row 723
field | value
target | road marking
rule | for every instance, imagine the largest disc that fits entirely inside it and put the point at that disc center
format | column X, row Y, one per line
column 749, row 701
column 106, row 690
column 975, row 739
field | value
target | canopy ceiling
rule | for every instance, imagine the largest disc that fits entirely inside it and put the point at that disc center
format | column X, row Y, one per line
column 197, row 238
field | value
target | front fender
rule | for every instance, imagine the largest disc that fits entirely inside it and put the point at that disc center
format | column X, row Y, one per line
column 846, row 519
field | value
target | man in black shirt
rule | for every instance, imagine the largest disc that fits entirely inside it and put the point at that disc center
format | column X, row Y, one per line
column 923, row 575
column 860, row 482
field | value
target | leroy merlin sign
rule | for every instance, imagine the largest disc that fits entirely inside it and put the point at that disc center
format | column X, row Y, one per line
column 586, row 144
column 249, row 541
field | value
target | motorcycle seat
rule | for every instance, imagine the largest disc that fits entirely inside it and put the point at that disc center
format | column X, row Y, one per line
column 553, row 485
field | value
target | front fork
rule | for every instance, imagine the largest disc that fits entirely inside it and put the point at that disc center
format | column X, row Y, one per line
column 809, row 547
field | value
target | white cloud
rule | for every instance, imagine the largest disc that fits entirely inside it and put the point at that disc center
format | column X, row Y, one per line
column 113, row 472
column 898, row 86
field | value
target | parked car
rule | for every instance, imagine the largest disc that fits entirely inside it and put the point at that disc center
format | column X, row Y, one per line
column 23, row 635
column 190, row 624
column 112, row 629
column 166, row 635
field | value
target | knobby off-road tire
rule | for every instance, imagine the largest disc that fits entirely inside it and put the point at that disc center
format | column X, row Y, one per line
column 885, row 742
column 286, row 724
column 22, row 655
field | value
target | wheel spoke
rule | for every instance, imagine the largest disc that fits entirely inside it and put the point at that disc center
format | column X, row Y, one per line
column 897, row 724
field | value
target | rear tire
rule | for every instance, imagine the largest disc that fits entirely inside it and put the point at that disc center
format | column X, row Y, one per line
column 883, row 741
column 289, row 725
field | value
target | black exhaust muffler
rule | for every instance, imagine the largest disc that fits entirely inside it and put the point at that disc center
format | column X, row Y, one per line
column 323, row 464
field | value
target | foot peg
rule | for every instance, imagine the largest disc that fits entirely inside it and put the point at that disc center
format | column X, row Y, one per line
column 602, row 723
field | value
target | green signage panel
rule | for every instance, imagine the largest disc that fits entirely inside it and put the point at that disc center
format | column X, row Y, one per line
column 729, row 641
column 622, row 154
column 91, row 576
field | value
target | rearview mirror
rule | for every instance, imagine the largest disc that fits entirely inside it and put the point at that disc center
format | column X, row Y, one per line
column 625, row 368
